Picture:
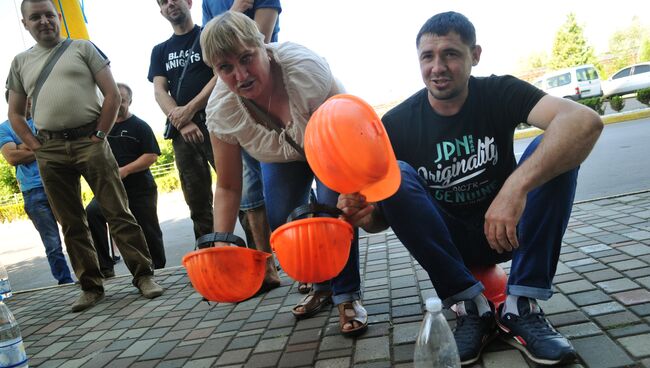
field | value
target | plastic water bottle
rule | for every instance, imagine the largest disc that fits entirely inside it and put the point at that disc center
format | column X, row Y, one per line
column 5, row 287
column 12, row 349
column 435, row 346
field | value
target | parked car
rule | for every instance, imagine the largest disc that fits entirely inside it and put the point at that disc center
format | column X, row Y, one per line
column 574, row 83
column 628, row 80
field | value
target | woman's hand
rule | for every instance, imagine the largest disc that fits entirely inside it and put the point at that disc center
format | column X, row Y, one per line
column 356, row 210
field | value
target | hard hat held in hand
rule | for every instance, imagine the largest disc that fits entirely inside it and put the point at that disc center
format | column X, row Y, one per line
column 227, row 274
column 313, row 249
column 349, row 151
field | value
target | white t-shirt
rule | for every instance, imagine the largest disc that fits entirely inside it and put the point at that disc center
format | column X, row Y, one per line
column 308, row 82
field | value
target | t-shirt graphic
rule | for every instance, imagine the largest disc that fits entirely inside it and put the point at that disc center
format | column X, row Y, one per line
column 463, row 159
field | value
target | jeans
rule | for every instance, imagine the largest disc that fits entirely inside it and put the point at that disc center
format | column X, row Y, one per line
column 193, row 161
column 62, row 163
column 252, row 194
column 144, row 206
column 38, row 209
column 287, row 186
column 446, row 246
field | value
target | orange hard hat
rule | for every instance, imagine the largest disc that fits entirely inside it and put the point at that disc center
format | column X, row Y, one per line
column 312, row 249
column 226, row 274
column 494, row 279
column 348, row 149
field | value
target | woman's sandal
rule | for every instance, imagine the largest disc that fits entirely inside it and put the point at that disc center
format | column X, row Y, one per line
column 312, row 303
column 349, row 312
column 304, row 287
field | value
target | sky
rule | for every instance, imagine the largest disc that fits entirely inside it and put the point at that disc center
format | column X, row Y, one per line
column 369, row 44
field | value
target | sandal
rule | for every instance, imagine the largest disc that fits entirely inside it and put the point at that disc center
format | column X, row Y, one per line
column 304, row 287
column 349, row 312
column 312, row 303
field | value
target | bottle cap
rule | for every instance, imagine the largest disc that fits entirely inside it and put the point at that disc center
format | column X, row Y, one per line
column 434, row 305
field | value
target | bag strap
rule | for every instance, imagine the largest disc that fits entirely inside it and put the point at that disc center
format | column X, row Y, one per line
column 47, row 69
column 186, row 64
column 273, row 122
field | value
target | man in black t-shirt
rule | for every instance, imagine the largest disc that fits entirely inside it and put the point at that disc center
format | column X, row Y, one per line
column 464, row 201
column 135, row 149
column 185, row 108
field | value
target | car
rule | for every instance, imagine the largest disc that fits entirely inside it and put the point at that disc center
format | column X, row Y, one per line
column 628, row 80
column 573, row 83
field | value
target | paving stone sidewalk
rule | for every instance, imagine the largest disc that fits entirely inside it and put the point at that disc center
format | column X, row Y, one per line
column 602, row 304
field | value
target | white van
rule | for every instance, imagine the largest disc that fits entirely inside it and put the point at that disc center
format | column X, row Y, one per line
column 573, row 83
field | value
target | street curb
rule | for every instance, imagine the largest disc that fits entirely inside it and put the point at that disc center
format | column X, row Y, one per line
column 609, row 119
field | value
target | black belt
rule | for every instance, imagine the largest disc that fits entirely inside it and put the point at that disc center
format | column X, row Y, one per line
column 69, row 134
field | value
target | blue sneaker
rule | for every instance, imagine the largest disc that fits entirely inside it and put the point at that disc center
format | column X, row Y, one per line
column 533, row 334
column 473, row 332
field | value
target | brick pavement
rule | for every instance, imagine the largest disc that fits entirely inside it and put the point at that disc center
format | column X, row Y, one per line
column 602, row 304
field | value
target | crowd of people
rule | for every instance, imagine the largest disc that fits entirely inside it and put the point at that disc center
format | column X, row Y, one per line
column 237, row 101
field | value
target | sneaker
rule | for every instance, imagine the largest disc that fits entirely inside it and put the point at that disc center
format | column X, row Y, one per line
column 473, row 332
column 533, row 334
column 149, row 288
column 86, row 300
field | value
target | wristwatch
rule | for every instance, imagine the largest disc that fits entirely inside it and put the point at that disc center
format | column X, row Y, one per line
column 99, row 134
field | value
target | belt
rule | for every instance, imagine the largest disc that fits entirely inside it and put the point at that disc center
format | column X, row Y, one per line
column 69, row 134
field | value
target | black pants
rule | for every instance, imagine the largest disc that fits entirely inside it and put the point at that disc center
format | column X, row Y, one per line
column 193, row 161
column 144, row 206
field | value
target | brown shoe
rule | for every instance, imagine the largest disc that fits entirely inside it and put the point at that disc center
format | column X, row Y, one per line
column 86, row 300
column 149, row 288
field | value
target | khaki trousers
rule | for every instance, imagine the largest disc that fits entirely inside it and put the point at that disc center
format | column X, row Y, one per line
column 62, row 163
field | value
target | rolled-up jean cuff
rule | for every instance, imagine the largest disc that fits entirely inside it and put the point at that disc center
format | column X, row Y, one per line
column 251, row 206
column 346, row 297
column 466, row 294
column 529, row 292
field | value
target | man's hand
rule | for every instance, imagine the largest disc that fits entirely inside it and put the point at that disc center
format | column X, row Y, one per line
column 95, row 139
column 356, row 210
column 241, row 5
column 501, row 220
column 180, row 116
column 191, row 133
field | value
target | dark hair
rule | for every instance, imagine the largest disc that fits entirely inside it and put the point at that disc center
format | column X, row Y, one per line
column 7, row 95
column 443, row 23
column 23, row 4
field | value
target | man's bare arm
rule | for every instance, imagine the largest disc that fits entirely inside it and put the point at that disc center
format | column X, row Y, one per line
column 140, row 164
column 112, row 98
column 17, row 118
column 17, row 155
column 265, row 19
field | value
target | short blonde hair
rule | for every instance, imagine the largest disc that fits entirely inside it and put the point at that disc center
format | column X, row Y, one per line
column 225, row 34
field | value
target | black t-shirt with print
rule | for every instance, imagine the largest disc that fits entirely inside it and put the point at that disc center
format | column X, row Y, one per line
column 129, row 140
column 168, row 59
column 465, row 158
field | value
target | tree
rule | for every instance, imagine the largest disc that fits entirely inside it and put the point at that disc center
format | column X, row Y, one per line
column 625, row 44
column 570, row 47
column 644, row 50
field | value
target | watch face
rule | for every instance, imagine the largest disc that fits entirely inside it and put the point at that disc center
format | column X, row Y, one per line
column 100, row 134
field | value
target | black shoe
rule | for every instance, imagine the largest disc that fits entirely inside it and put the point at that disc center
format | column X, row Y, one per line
column 108, row 273
column 473, row 332
column 533, row 334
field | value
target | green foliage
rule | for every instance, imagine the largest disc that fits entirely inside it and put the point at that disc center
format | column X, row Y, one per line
column 617, row 103
column 644, row 49
column 625, row 44
column 12, row 212
column 168, row 183
column 570, row 47
column 8, row 183
column 595, row 103
column 166, row 151
column 643, row 96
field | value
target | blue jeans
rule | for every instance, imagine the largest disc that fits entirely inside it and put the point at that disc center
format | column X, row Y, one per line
column 38, row 209
column 252, row 194
column 287, row 186
column 445, row 246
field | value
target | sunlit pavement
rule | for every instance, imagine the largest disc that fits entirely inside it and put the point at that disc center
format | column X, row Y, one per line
column 602, row 304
